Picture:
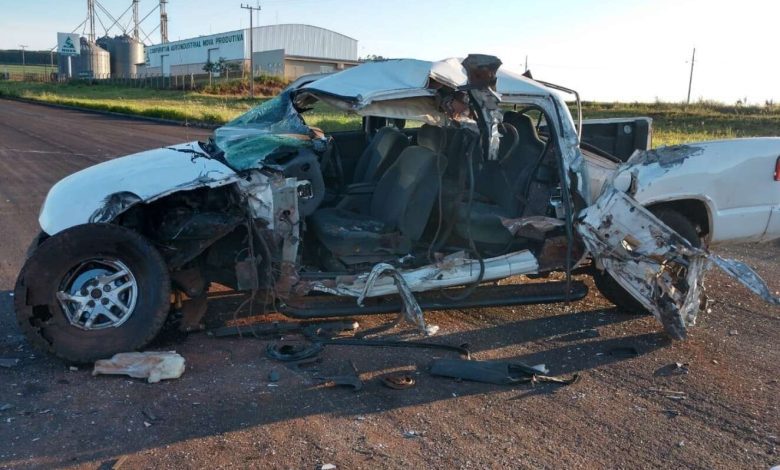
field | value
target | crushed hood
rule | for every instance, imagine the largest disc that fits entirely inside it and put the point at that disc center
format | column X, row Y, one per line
column 103, row 191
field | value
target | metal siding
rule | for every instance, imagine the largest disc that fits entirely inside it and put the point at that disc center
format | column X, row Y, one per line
column 305, row 40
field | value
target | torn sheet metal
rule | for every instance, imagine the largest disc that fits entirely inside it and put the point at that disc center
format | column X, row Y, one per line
column 657, row 266
column 749, row 278
column 153, row 366
column 533, row 226
column 454, row 270
column 412, row 311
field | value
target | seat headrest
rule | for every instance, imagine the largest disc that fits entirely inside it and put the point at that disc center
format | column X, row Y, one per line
column 526, row 129
column 431, row 137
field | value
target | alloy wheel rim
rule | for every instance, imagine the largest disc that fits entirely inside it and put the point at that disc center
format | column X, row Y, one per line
column 98, row 293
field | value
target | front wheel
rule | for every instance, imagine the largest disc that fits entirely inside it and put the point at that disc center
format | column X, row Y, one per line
column 92, row 291
column 615, row 293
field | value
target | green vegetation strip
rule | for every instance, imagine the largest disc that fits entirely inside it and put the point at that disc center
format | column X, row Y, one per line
column 672, row 123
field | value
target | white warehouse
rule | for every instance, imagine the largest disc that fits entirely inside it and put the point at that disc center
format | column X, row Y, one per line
column 286, row 50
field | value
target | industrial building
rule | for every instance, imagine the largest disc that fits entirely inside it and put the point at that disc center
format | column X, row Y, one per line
column 287, row 50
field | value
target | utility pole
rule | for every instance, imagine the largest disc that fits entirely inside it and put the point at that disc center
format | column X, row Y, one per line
column 91, row 20
column 163, row 22
column 23, row 47
column 526, row 63
column 251, row 48
column 690, row 79
column 136, row 34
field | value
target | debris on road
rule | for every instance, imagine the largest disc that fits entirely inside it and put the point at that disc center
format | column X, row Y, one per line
column 327, row 466
column 281, row 328
column 299, row 365
column 288, row 352
column 398, row 381
column 382, row 343
column 623, row 351
column 413, row 434
column 496, row 372
column 670, row 394
column 154, row 366
column 273, row 375
column 9, row 362
column 6, row 407
column 675, row 368
column 349, row 380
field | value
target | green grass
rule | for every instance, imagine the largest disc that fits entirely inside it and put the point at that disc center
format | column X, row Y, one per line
column 16, row 68
column 673, row 123
column 166, row 104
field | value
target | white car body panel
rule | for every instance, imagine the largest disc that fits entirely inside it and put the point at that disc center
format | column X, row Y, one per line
column 732, row 178
column 101, row 192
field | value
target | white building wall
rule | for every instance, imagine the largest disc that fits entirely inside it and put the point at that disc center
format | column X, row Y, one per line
column 198, row 50
column 294, row 39
column 305, row 40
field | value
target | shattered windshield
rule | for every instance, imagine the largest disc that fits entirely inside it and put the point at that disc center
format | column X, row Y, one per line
column 269, row 128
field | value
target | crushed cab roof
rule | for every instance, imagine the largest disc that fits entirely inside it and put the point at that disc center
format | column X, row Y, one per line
column 407, row 78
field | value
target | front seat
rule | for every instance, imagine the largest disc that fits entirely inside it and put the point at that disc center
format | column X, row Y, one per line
column 381, row 153
column 395, row 217
column 499, row 187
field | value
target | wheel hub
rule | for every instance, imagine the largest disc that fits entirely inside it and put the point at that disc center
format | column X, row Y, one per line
column 98, row 293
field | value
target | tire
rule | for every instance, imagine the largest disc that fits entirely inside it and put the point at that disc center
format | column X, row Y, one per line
column 79, row 262
column 614, row 292
column 34, row 244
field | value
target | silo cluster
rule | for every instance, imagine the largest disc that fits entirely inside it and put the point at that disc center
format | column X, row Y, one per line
column 108, row 57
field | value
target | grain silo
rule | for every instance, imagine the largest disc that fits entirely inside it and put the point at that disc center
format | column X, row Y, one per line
column 93, row 62
column 126, row 53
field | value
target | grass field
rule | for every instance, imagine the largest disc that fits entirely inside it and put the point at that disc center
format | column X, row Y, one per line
column 672, row 122
column 16, row 68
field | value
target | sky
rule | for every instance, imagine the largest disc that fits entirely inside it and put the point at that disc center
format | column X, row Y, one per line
column 608, row 50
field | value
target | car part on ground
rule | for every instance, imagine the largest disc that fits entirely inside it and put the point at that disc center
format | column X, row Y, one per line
column 331, row 328
column 351, row 379
column 398, row 380
column 153, row 366
column 289, row 352
column 384, row 343
column 496, row 372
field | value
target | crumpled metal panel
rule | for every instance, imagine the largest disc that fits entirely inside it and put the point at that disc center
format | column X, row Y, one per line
column 656, row 265
column 103, row 191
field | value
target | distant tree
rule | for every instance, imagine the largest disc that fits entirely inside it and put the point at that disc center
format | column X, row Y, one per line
column 373, row 58
column 223, row 66
column 208, row 67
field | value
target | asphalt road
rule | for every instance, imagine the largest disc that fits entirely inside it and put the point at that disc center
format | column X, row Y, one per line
column 723, row 413
column 39, row 145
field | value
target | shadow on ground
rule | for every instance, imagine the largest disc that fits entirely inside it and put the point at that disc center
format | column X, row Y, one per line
column 225, row 387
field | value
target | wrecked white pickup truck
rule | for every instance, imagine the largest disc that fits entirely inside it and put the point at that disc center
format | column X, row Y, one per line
column 386, row 219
